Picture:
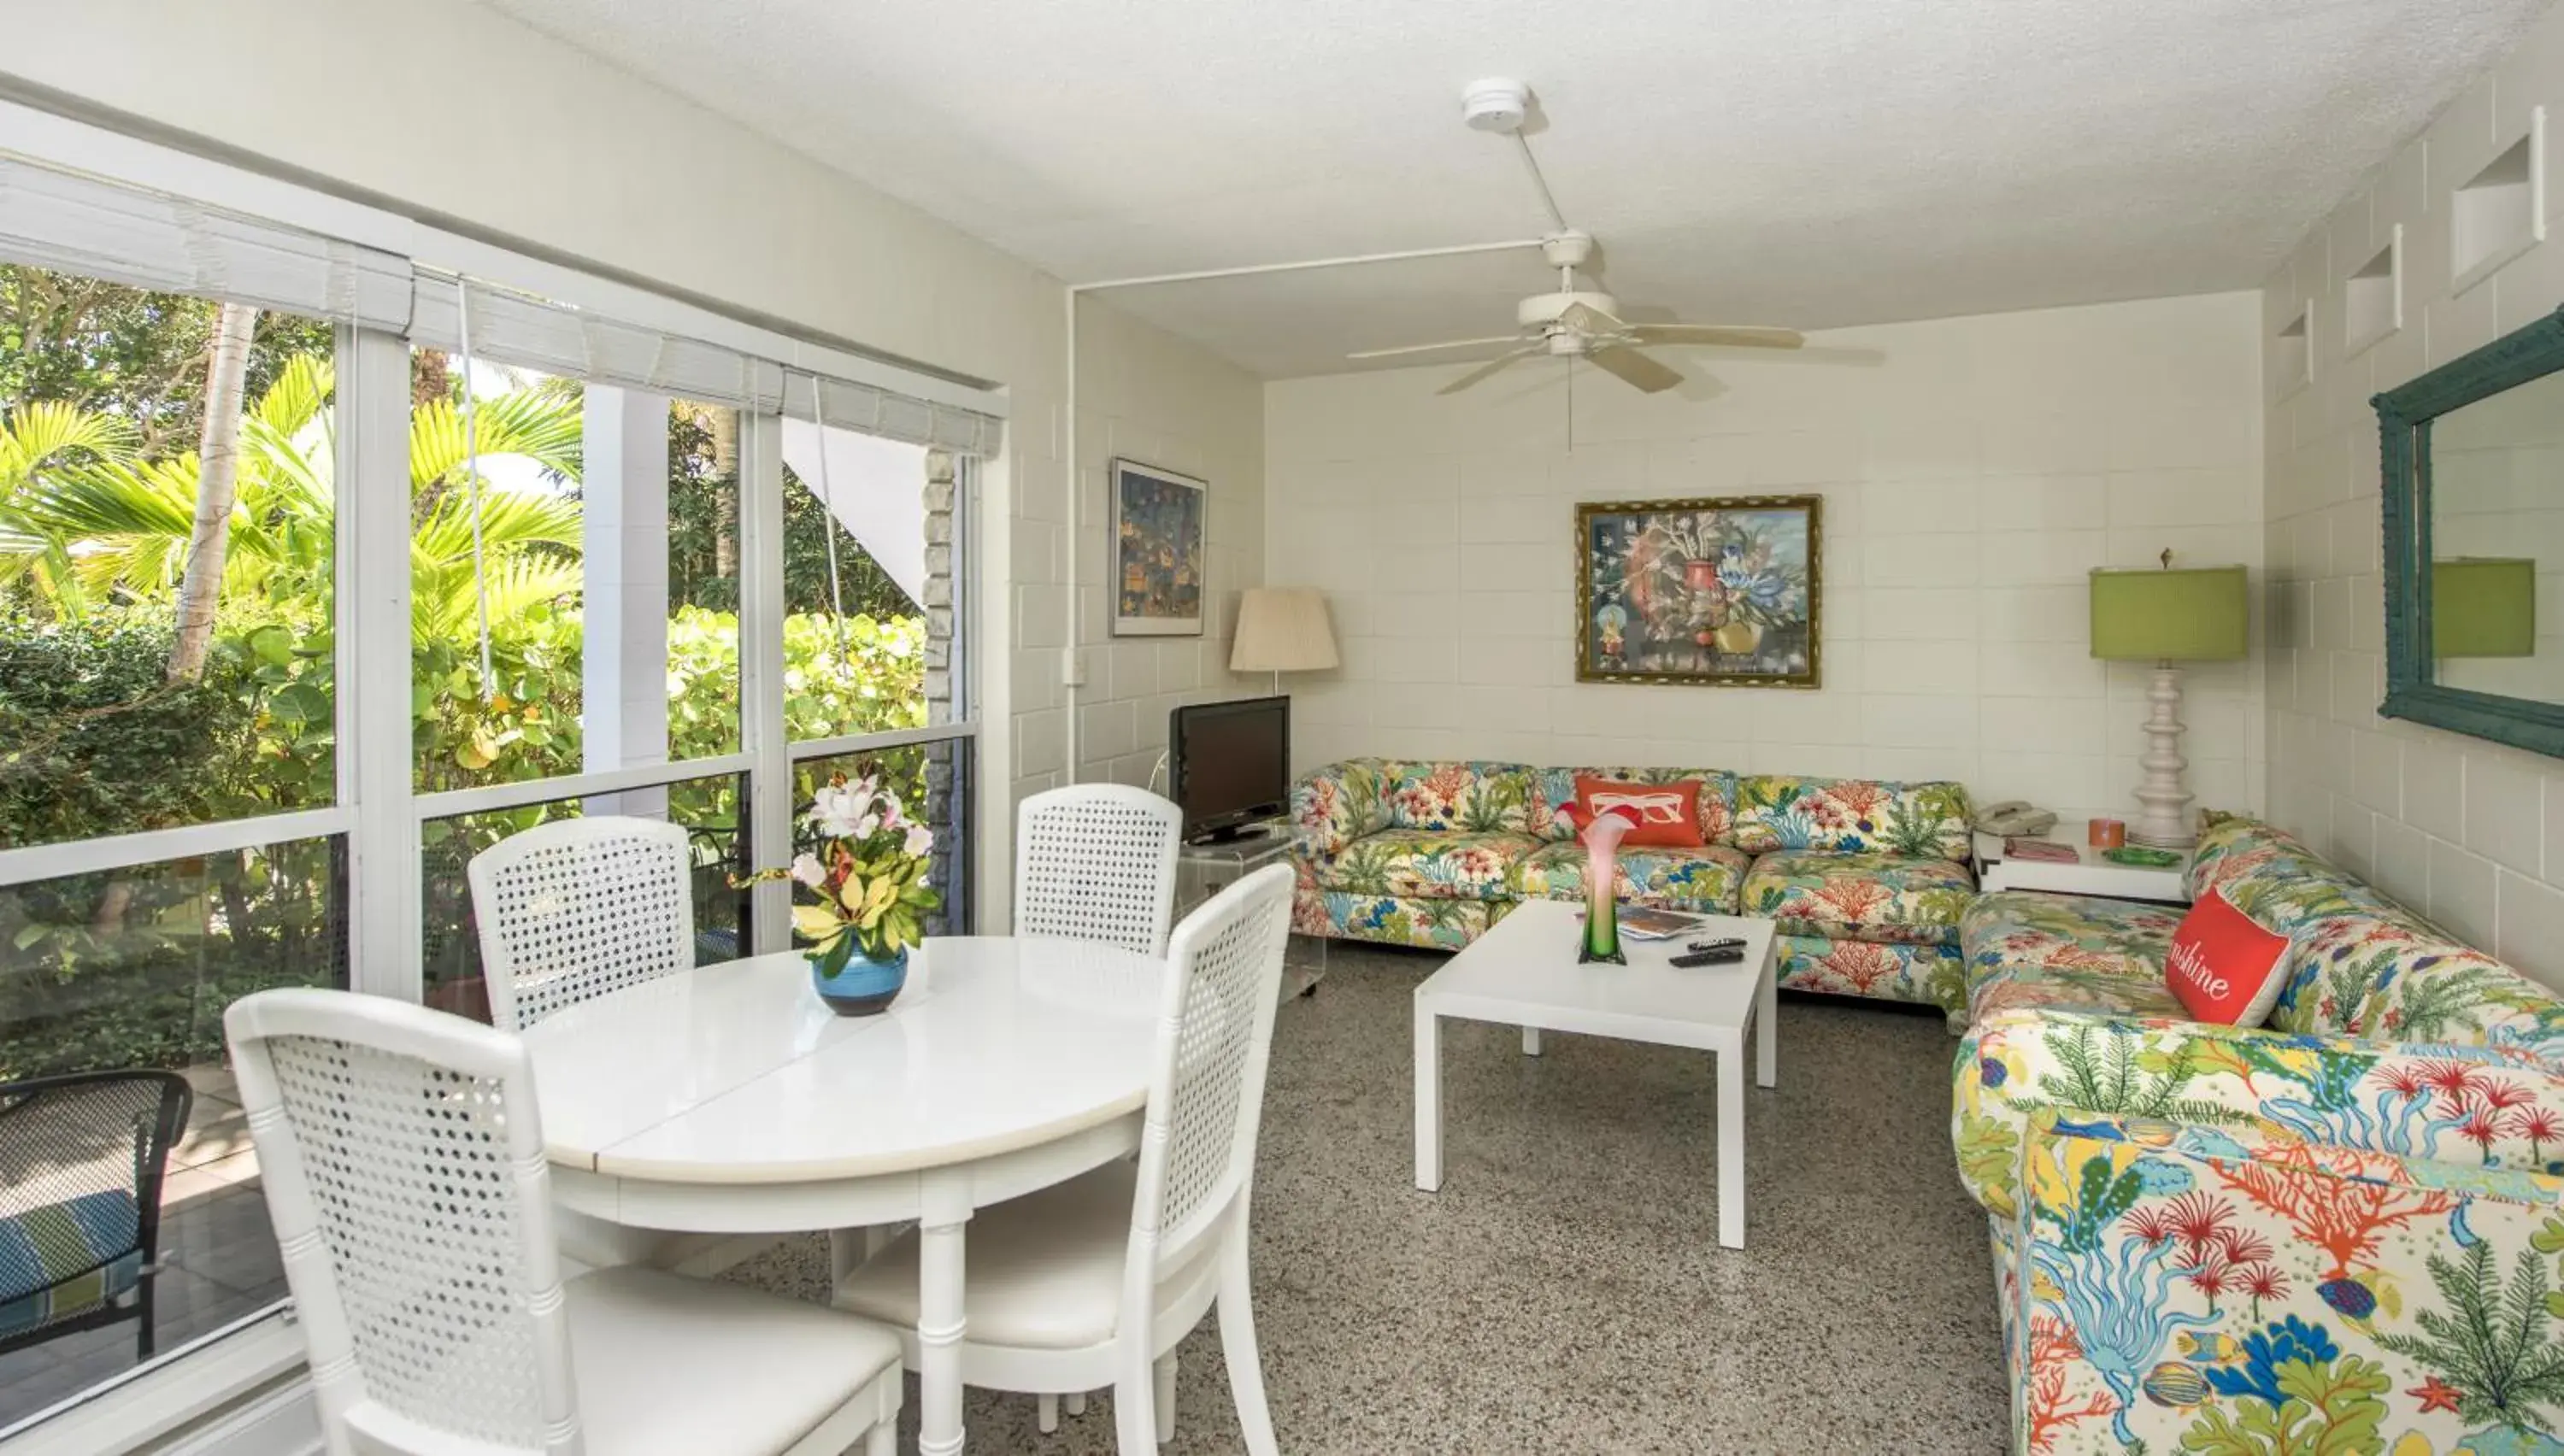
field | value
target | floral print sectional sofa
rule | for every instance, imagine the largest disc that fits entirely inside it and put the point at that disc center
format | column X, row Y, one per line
column 1867, row 879
column 2342, row 1232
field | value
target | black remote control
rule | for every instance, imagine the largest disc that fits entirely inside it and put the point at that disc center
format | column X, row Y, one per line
column 1732, row 943
column 1725, row 956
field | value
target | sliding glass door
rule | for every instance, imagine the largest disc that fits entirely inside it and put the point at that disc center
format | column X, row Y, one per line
column 173, row 820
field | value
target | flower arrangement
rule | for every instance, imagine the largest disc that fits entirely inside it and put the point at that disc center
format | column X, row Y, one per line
column 1602, row 834
column 863, row 867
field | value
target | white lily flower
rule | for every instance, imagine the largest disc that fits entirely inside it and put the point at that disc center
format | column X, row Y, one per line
column 808, row 869
column 836, row 811
column 920, row 840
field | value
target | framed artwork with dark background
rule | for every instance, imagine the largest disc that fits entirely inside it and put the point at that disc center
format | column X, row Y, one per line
column 1158, row 552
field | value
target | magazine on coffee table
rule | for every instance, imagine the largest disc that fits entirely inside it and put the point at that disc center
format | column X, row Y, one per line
column 1640, row 922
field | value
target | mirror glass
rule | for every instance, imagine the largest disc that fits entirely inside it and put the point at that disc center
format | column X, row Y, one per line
column 2495, row 491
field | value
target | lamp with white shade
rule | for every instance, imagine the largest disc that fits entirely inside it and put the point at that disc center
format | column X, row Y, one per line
column 1282, row 629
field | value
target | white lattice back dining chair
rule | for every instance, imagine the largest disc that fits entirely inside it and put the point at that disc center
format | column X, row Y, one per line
column 414, row 1217
column 1096, row 861
column 1095, row 1281
column 402, row 1160
column 575, row 909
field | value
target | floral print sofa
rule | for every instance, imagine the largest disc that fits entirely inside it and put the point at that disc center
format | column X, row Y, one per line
column 1866, row 879
column 2342, row 1232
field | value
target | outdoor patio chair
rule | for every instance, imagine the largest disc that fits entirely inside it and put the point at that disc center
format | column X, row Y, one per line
column 82, row 1157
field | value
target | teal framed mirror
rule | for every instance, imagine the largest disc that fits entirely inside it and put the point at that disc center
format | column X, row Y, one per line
column 2474, row 456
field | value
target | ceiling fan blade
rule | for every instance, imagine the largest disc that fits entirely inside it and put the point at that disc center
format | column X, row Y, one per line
column 1585, row 319
column 1734, row 335
column 1428, row 349
column 1633, row 368
column 1487, row 368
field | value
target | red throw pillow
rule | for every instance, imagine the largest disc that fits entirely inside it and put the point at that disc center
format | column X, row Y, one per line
column 2224, row 968
column 1669, row 813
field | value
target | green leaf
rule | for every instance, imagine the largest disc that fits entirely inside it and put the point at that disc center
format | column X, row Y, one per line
column 301, row 704
column 272, row 645
column 837, row 955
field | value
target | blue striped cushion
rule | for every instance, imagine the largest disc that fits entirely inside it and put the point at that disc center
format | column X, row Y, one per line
column 49, row 1258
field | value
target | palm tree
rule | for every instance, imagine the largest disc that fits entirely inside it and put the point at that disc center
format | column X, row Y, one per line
column 217, row 490
column 82, row 518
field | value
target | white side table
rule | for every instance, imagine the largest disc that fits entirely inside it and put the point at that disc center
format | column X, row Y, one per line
column 2089, row 874
column 1205, row 870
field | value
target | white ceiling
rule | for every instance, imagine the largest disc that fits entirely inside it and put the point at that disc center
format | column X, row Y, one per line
column 1805, row 162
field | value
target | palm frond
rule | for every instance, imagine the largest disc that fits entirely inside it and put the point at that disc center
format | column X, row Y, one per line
column 287, row 474
column 442, row 598
column 509, row 520
column 128, row 524
column 300, row 392
column 51, row 432
column 543, row 429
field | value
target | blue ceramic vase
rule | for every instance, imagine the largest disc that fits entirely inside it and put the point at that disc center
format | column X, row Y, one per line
column 862, row 986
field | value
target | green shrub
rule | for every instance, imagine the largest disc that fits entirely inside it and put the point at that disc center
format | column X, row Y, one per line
column 133, row 968
column 94, row 743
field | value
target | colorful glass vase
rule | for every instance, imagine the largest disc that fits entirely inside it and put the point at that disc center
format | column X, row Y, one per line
column 1602, row 835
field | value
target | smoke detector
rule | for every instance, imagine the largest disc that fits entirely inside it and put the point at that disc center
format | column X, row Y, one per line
column 1495, row 104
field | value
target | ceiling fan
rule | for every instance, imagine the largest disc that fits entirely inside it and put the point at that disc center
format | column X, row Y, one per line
column 1573, row 323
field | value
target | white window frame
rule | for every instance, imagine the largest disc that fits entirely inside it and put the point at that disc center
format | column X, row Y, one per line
column 378, row 811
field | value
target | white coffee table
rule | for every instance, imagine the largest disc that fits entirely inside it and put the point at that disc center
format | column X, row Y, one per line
column 1524, row 973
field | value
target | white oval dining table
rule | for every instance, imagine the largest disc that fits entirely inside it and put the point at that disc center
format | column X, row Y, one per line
column 727, row 1099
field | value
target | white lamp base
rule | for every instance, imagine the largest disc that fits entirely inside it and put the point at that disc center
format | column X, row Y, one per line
column 2165, row 822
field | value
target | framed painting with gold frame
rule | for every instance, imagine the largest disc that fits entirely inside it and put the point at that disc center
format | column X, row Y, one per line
column 1717, row 592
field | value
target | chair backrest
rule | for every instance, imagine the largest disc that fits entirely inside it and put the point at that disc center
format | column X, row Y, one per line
column 574, row 910
column 403, row 1161
column 1096, row 861
column 1206, row 1088
column 94, row 1146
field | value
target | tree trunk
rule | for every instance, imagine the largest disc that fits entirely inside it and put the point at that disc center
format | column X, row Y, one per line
column 217, row 486
column 725, row 432
column 431, row 377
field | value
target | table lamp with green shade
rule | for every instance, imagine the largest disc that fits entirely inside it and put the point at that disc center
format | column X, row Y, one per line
column 2483, row 606
column 2196, row 614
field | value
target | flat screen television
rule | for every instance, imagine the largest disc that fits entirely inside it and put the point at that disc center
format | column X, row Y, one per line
column 1230, row 765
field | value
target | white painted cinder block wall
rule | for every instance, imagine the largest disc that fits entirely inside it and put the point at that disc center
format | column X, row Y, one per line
column 2468, row 831
column 1143, row 396
column 1973, row 471
column 580, row 161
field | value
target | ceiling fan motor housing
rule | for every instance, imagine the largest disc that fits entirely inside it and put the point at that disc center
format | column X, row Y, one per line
column 1542, row 309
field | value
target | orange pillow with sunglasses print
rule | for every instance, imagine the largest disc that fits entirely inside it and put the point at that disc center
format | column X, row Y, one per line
column 2223, row 967
column 1669, row 813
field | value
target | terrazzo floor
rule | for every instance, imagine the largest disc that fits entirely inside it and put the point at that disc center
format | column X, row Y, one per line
column 1564, row 1292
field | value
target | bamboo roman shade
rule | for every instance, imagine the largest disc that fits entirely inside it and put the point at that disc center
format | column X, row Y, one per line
column 71, row 222
column 876, row 410
column 538, row 333
column 78, row 224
